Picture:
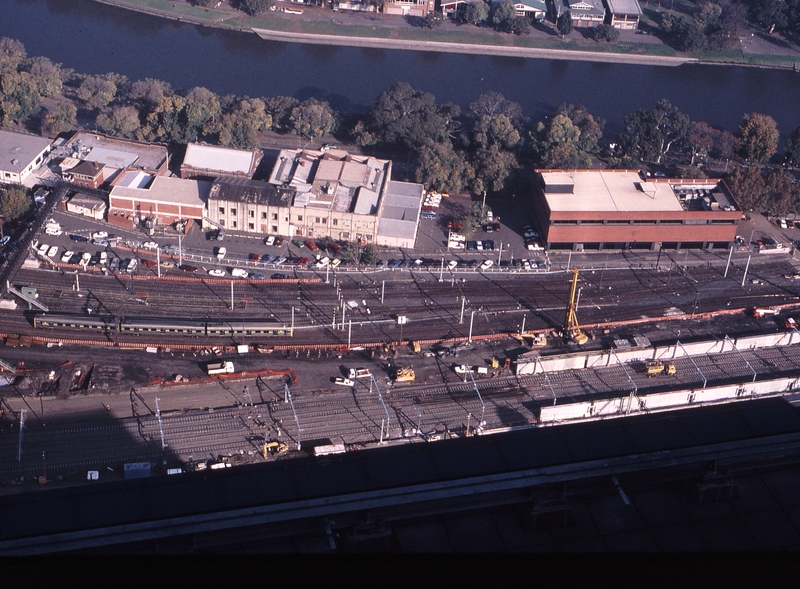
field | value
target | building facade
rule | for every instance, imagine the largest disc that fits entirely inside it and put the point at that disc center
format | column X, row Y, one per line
column 137, row 197
column 584, row 13
column 624, row 14
column 20, row 155
column 617, row 209
column 88, row 174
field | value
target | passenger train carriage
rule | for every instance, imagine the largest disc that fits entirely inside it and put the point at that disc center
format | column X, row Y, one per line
column 163, row 325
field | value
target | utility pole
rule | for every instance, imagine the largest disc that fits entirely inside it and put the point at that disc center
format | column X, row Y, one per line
column 728, row 264
column 160, row 428
column 463, row 302
column 231, row 295
column 383, row 289
column 158, row 262
column 745, row 269
column 21, row 429
column 471, row 318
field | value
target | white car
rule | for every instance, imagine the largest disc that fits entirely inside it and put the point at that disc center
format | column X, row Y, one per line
column 43, row 248
column 52, row 252
column 216, row 272
column 486, row 264
column 99, row 234
column 221, row 251
column 462, row 369
column 345, row 382
column 451, row 265
column 323, row 262
column 85, row 257
column 150, row 245
column 270, row 240
column 239, row 273
column 67, row 255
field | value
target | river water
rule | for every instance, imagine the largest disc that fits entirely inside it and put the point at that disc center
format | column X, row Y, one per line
column 94, row 38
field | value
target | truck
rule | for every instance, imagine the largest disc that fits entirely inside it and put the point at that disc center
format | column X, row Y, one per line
column 404, row 374
column 655, row 367
column 52, row 227
column 760, row 312
column 219, row 368
column 359, row 373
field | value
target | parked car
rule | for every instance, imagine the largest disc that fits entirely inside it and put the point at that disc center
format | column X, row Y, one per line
column 78, row 238
column 99, row 234
column 257, row 276
column 149, row 263
column 4, row 241
column 299, row 243
column 269, row 240
column 279, row 277
column 216, row 272
column 486, row 264
column 52, row 252
column 254, row 257
column 238, row 273
column 132, row 266
column 278, row 241
column 345, row 382
column 187, row 268
column 65, row 257
column 311, row 245
column 42, row 248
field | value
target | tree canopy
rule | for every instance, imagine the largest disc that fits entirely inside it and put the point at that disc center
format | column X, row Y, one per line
column 15, row 202
column 758, row 136
column 649, row 135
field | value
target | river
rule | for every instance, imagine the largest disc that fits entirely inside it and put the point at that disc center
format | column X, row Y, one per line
column 94, row 38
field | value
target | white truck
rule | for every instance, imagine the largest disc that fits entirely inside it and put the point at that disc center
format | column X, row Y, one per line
column 52, row 227
column 219, row 368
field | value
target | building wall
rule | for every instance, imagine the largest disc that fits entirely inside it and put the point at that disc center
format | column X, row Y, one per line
column 9, row 177
column 97, row 212
column 166, row 213
column 625, row 21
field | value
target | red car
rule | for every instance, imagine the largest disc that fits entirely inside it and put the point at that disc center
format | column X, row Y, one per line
column 254, row 257
column 186, row 268
column 335, row 248
column 149, row 263
column 311, row 245
column 302, row 262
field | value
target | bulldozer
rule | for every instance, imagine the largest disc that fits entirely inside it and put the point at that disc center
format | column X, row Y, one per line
column 405, row 374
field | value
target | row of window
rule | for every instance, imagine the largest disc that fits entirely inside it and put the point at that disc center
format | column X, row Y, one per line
column 318, row 220
column 647, row 222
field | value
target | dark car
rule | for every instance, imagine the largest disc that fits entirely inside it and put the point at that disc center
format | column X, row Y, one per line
column 186, row 268
column 254, row 257
column 278, row 241
column 488, row 244
column 335, row 248
column 79, row 238
column 311, row 245
column 279, row 277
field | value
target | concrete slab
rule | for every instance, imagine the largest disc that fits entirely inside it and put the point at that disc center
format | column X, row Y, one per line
column 612, row 515
column 636, row 541
column 659, row 507
column 473, row 533
column 512, row 534
column 771, row 530
column 752, row 495
column 428, row 536
column 679, row 538
column 783, row 485
column 582, row 526
column 726, row 534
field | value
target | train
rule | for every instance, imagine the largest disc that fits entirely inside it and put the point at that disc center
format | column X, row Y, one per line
column 162, row 325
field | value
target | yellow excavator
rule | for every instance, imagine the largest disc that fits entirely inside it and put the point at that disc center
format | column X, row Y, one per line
column 572, row 330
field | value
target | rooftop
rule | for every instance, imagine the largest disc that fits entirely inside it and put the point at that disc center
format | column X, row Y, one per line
column 115, row 153
column 18, row 150
column 400, row 211
column 624, row 7
column 236, row 188
column 221, row 159
column 170, row 190
column 626, row 190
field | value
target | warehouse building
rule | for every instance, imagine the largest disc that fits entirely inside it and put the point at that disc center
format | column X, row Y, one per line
column 137, row 199
column 620, row 209
column 211, row 161
column 20, row 154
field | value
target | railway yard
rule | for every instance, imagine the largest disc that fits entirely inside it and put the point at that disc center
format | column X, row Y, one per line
column 111, row 366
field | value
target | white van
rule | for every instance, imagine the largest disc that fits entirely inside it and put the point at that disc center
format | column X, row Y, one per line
column 53, row 230
column 238, row 273
column 219, row 368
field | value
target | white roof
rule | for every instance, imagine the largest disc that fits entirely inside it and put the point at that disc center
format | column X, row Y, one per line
column 223, row 159
column 607, row 191
column 169, row 190
column 624, row 7
column 18, row 150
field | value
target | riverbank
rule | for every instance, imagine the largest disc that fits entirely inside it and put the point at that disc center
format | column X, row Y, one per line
column 322, row 26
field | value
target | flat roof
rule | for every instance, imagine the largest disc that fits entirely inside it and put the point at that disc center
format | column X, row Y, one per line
column 607, row 191
column 115, row 152
column 624, row 7
column 400, row 211
column 18, row 150
column 238, row 189
column 221, row 159
column 169, row 190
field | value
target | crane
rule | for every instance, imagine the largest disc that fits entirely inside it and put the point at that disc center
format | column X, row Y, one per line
column 571, row 328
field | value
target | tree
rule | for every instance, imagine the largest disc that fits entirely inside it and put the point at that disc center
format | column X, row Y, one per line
column 350, row 252
column 255, row 7
column 203, row 113
column 503, row 15
column 432, row 20
column 477, row 12
column 758, row 135
column 45, row 75
column 15, row 202
column 167, row 121
column 726, row 145
column 793, row 148
column 521, row 25
column 313, row 118
column 63, row 119
column 496, row 130
column 771, row 14
column 369, row 255
column 240, row 126
column 12, row 54
column 494, row 103
column 767, row 190
column 492, row 168
column 408, row 117
column 700, row 139
column 443, row 168
column 591, row 127
column 120, row 121
column 557, row 144
column 148, row 92
column 280, row 107
column 605, row 33
column 97, row 91
column 648, row 135
column 564, row 24
column 19, row 97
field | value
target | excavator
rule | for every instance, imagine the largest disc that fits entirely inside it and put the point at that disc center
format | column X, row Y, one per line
column 572, row 330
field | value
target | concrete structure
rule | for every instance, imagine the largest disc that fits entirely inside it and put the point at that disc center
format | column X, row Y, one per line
column 135, row 197
column 419, row 8
column 88, row 174
column 20, row 154
column 88, row 206
column 585, row 13
column 624, row 14
column 616, row 209
column 115, row 154
column 338, row 195
column 210, row 161
column 249, row 205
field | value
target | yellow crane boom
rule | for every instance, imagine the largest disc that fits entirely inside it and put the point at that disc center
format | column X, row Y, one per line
column 572, row 329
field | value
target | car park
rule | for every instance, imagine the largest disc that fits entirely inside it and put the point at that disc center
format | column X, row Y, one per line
column 100, row 235
column 216, row 272
column 269, row 240
column 65, row 257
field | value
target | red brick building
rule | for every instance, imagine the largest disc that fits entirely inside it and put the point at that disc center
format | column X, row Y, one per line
column 616, row 209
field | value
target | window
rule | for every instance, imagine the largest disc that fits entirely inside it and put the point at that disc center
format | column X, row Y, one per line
column 233, row 211
column 336, row 221
column 222, row 222
column 233, row 224
column 222, row 210
column 263, row 215
column 274, row 228
column 369, row 237
column 252, row 214
column 318, row 220
column 275, row 217
column 250, row 226
column 345, row 235
column 299, row 217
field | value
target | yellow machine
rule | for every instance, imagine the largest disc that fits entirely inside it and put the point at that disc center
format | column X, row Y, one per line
column 655, row 368
column 404, row 374
column 571, row 328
